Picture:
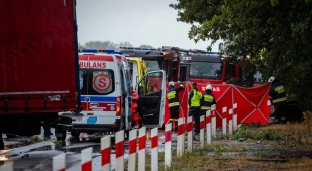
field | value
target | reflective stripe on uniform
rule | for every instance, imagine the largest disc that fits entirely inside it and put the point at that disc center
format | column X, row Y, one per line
column 208, row 98
column 174, row 104
column 171, row 95
column 205, row 107
column 280, row 100
column 279, row 89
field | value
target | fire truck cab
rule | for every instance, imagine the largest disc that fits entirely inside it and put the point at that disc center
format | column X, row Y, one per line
column 166, row 58
column 210, row 67
column 105, row 92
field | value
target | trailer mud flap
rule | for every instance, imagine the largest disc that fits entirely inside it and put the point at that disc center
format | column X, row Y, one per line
column 29, row 126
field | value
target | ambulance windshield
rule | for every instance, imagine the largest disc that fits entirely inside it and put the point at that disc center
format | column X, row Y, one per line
column 205, row 70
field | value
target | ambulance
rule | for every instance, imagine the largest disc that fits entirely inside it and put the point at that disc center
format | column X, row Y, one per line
column 105, row 92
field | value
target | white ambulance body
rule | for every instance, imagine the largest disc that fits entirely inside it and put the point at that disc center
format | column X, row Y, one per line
column 105, row 95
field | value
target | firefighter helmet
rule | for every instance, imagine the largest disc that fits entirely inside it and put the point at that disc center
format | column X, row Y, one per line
column 208, row 87
column 171, row 83
column 271, row 79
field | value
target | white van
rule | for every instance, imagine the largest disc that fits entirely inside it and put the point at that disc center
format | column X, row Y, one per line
column 105, row 93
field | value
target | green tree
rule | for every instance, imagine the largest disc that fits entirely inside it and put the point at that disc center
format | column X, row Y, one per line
column 101, row 45
column 125, row 44
column 279, row 31
column 146, row 46
column 80, row 46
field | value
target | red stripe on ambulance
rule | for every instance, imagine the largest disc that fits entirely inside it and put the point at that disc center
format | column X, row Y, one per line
column 98, row 106
column 96, row 58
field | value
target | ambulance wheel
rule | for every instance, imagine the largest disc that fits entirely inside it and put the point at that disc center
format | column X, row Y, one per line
column 75, row 136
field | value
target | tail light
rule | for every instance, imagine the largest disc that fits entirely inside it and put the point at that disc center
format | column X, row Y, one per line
column 118, row 108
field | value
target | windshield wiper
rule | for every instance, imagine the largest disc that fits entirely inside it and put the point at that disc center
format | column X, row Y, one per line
column 201, row 75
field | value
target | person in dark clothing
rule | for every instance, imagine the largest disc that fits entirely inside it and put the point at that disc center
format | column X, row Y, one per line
column 278, row 98
column 207, row 100
column 174, row 102
column 47, row 131
column 194, row 103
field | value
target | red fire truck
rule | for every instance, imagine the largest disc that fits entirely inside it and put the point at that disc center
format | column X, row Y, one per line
column 206, row 67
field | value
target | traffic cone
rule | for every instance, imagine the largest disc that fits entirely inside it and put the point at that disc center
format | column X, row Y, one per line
column 147, row 136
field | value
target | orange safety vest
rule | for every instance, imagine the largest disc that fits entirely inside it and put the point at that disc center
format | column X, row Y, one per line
column 134, row 105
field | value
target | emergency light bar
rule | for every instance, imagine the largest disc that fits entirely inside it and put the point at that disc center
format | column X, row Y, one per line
column 139, row 48
column 100, row 51
column 170, row 48
column 202, row 51
column 118, row 53
column 88, row 50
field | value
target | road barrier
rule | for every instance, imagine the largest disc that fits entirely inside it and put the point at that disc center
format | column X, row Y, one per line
column 59, row 162
column 137, row 145
column 224, row 116
column 106, row 152
column 168, row 143
column 213, row 121
column 208, row 126
column 234, row 117
column 86, row 159
column 190, row 134
column 132, row 150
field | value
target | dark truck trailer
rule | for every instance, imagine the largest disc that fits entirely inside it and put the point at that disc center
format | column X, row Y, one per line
column 38, row 65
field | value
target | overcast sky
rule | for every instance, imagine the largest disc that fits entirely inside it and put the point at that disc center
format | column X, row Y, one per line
column 139, row 22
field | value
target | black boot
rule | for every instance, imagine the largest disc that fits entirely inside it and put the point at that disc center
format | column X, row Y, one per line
column 1, row 142
column 1, row 146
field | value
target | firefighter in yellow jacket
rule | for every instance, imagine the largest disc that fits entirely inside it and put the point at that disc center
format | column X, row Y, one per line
column 278, row 98
column 194, row 103
column 207, row 100
column 174, row 102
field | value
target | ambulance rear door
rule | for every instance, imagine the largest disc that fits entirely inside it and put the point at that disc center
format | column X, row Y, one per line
column 151, row 103
column 126, row 90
